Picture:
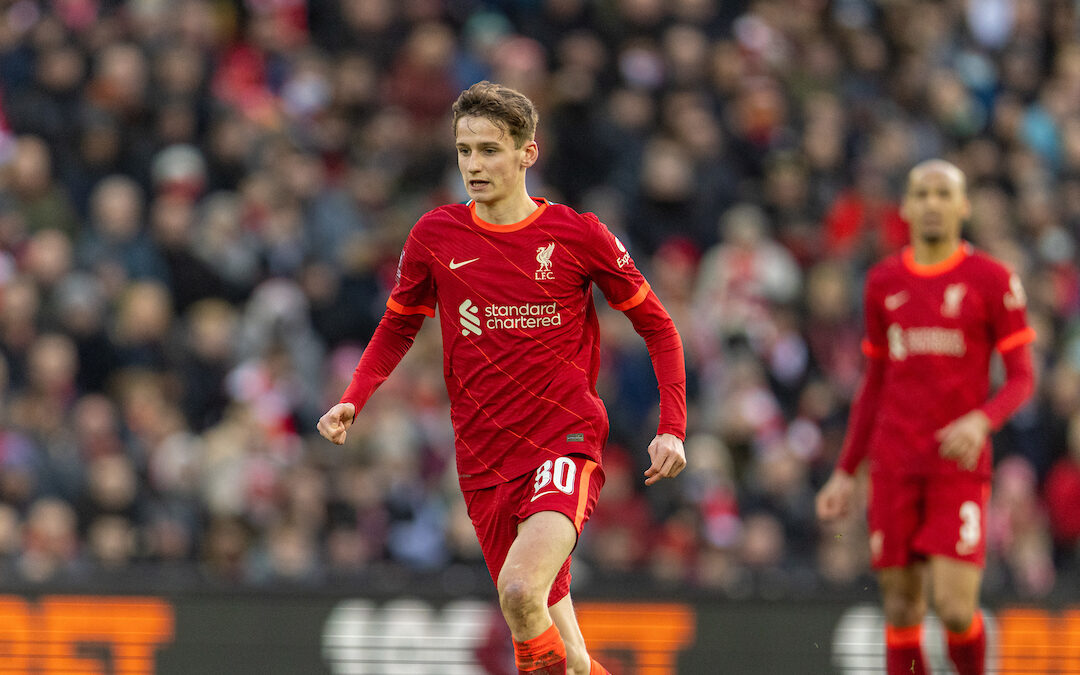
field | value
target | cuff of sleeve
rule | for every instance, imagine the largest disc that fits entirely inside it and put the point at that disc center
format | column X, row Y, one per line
column 678, row 432
column 844, row 465
column 995, row 421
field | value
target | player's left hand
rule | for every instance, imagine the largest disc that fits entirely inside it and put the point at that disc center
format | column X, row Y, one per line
column 963, row 438
column 668, row 458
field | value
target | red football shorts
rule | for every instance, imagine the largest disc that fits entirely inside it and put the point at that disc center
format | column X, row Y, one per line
column 569, row 485
column 913, row 517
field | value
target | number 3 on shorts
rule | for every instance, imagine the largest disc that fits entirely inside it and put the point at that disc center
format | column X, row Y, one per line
column 970, row 528
column 561, row 473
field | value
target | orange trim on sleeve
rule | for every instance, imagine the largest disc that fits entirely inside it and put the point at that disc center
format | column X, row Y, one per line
column 1020, row 337
column 636, row 300
column 402, row 309
column 871, row 350
column 583, row 495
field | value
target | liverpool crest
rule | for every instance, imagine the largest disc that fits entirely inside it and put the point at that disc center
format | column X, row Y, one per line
column 543, row 257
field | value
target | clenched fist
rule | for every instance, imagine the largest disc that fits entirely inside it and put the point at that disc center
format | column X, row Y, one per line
column 335, row 424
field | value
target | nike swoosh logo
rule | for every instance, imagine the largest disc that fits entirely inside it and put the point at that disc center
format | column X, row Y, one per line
column 895, row 300
column 541, row 494
column 463, row 263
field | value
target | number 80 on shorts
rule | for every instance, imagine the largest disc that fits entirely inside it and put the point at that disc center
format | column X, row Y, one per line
column 560, row 473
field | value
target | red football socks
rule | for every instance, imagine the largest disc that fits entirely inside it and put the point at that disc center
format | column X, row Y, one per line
column 545, row 654
column 903, row 651
column 967, row 650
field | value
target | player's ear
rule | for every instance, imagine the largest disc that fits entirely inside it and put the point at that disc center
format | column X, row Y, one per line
column 532, row 153
column 965, row 209
column 905, row 212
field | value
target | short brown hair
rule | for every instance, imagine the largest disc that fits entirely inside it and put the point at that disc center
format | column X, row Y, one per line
column 504, row 107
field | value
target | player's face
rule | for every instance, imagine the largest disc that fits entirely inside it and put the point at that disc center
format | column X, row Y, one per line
column 935, row 205
column 492, row 168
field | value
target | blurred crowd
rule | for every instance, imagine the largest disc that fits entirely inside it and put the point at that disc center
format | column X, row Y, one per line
column 202, row 203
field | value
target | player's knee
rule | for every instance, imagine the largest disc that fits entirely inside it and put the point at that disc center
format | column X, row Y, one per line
column 519, row 599
column 955, row 613
column 903, row 610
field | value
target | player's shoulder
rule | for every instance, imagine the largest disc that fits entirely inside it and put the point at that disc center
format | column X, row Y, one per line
column 569, row 215
column 441, row 216
column 571, row 225
column 890, row 266
column 984, row 270
column 980, row 260
column 439, row 223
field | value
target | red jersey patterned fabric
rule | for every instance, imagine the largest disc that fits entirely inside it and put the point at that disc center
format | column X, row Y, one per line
column 933, row 328
column 519, row 330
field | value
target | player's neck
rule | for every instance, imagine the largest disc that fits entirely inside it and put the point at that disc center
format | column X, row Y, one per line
column 932, row 253
column 507, row 211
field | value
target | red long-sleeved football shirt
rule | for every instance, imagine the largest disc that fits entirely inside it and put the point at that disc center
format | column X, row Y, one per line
column 930, row 332
column 520, row 334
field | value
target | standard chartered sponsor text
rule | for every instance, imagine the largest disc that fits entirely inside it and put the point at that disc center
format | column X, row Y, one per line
column 523, row 316
column 949, row 342
column 925, row 340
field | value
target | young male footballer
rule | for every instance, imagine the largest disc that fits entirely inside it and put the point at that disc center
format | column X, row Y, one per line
column 511, row 276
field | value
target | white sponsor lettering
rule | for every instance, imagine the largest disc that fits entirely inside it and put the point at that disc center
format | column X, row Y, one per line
column 507, row 317
column 523, row 316
column 624, row 259
column 931, row 340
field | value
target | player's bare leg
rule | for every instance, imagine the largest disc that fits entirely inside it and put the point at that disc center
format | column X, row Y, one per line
column 542, row 545
column 903, row 594
column 578, row 661
column 955, row 591
column 955, row 587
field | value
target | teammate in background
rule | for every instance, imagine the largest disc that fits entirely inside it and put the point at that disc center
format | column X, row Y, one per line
column 512, row 277
column 934, row 314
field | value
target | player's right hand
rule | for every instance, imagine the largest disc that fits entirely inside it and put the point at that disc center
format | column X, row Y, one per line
column 336, row 422
column 668, row 458
column 834, row 499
